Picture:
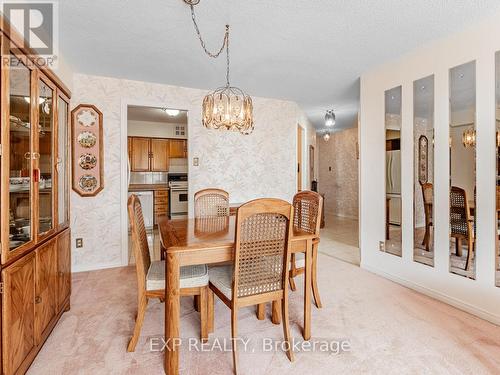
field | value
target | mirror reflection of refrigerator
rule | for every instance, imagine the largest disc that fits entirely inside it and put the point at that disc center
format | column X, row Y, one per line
column 393, row 185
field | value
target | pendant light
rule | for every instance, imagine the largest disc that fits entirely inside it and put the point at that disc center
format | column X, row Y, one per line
column 228, row 107
column 330, row 118
column 326, row 136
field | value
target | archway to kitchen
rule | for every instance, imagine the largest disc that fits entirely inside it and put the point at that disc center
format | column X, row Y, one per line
column 155, row 142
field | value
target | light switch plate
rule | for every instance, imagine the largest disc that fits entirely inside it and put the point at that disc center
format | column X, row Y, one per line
column 381, row 245
column 79, row 243
column 196, row 162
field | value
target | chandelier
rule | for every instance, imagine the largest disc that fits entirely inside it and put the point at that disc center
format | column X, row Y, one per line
column 228, row 107
column 330, row 118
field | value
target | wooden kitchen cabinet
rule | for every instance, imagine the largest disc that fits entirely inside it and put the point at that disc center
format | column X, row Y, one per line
column 149, row 154
column 140, row 154
column 178, row 148
column 159, row 155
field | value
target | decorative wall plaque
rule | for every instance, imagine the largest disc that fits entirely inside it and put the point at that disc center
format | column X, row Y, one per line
column 423, row 159
column 87, row 146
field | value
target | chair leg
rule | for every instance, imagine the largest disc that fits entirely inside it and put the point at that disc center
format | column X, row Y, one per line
column 286, row 327
column 234, row 336
column 141, row 311
column 470, row 251
column 261, row 311
column 204, row 313
column 210, row 312
column 276, row 313
column 292, row 273
column 196, row 303
column 458, row 246
column 315, row 290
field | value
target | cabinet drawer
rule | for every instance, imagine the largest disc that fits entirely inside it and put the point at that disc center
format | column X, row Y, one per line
column 161, row 193
column 161, row 200
column 161, row 209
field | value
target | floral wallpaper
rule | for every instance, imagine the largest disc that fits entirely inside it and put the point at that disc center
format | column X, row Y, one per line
column 340, row 184
column 258, row 165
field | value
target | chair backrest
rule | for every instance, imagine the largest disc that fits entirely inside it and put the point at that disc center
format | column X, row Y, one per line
column 211, row 203
column 459, row 213
column 307, row 208
column 139, row 240
column 262, row 256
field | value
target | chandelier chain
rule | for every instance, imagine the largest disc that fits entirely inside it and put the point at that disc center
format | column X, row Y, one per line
column 225, row 41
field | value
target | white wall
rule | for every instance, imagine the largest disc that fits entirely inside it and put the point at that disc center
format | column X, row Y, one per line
column 262, row 164
column 478, row 296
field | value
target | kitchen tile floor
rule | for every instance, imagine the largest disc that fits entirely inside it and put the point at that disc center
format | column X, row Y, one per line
column 340, row 239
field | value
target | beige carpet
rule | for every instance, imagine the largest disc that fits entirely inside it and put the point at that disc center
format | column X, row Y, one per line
column 391, row 330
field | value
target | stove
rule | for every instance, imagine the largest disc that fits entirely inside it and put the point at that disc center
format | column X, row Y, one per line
column 178, row 197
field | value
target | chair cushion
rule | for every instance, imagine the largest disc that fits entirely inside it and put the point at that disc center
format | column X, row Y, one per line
column 190, row 276
column 222, row 278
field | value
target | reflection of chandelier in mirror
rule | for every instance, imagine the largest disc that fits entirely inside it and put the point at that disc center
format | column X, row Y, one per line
column 469, row 138
column 228, row 107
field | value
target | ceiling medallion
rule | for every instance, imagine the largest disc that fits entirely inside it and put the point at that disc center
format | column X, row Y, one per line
column 228, row 107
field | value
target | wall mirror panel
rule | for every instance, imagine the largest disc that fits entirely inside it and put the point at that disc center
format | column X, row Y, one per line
column 497, row 123
column 393, row 171
column 423, row 170
column 463, row 169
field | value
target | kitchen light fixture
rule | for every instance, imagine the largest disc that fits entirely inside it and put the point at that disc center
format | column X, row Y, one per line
column 326, row 136
column 228, row 107
column 330, row 118
column 172, row 112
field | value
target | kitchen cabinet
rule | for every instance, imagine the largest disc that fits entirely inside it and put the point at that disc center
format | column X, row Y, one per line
column 178, row 148
column 34, row 210
column 148, row 154
column 159, row 155
column 160, row 204
column 140, row 154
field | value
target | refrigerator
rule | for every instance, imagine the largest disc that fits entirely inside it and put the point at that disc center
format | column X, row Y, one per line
column 393, row 185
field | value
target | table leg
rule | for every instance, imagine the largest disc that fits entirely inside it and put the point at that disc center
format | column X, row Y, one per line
column 307, row 291
column 172, row 314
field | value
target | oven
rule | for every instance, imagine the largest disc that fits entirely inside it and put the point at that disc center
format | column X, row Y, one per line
column 178, row 196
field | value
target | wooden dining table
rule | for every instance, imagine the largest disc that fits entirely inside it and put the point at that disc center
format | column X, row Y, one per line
column 211, row 241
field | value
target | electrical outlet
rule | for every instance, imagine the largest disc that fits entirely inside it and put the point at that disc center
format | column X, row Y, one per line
column 381, row 245
column 79, row 243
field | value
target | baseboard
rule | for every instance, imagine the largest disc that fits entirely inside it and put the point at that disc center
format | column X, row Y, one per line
column 461, row 305
column 96, row 267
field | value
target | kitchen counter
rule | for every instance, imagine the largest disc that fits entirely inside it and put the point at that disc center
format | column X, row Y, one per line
column 147, row 187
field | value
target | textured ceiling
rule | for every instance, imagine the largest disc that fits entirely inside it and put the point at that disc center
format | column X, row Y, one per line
column 312, row 52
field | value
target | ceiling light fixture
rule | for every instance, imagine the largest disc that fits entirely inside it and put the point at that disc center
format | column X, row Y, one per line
column 330, row 118
column 172, row 112
column 326, row 136
column 228, row 107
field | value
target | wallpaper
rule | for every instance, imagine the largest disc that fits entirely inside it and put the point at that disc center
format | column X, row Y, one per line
column 340, row 184
column 258, row 165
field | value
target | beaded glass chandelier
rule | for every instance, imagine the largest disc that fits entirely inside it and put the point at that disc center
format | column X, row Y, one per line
column 228, row 107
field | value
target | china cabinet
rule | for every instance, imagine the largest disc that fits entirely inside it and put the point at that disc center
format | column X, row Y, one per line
column 35, row 260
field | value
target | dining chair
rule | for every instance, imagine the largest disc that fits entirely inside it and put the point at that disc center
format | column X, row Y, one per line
column 461, row 226
column 428, row 194
column 211, row 203
column 307, row 207
column 151, row 275
column 260, row 270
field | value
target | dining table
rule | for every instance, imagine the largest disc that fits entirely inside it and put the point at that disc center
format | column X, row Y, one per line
column 211, row 241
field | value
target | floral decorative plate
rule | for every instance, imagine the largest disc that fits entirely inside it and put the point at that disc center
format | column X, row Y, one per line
column 86, row 118
column 87, row 183
column 87, row 161
column 87, row 139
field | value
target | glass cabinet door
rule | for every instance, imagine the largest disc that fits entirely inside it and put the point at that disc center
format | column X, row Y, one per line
column 45, row 157
column 20, row 155
column 62, row 161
